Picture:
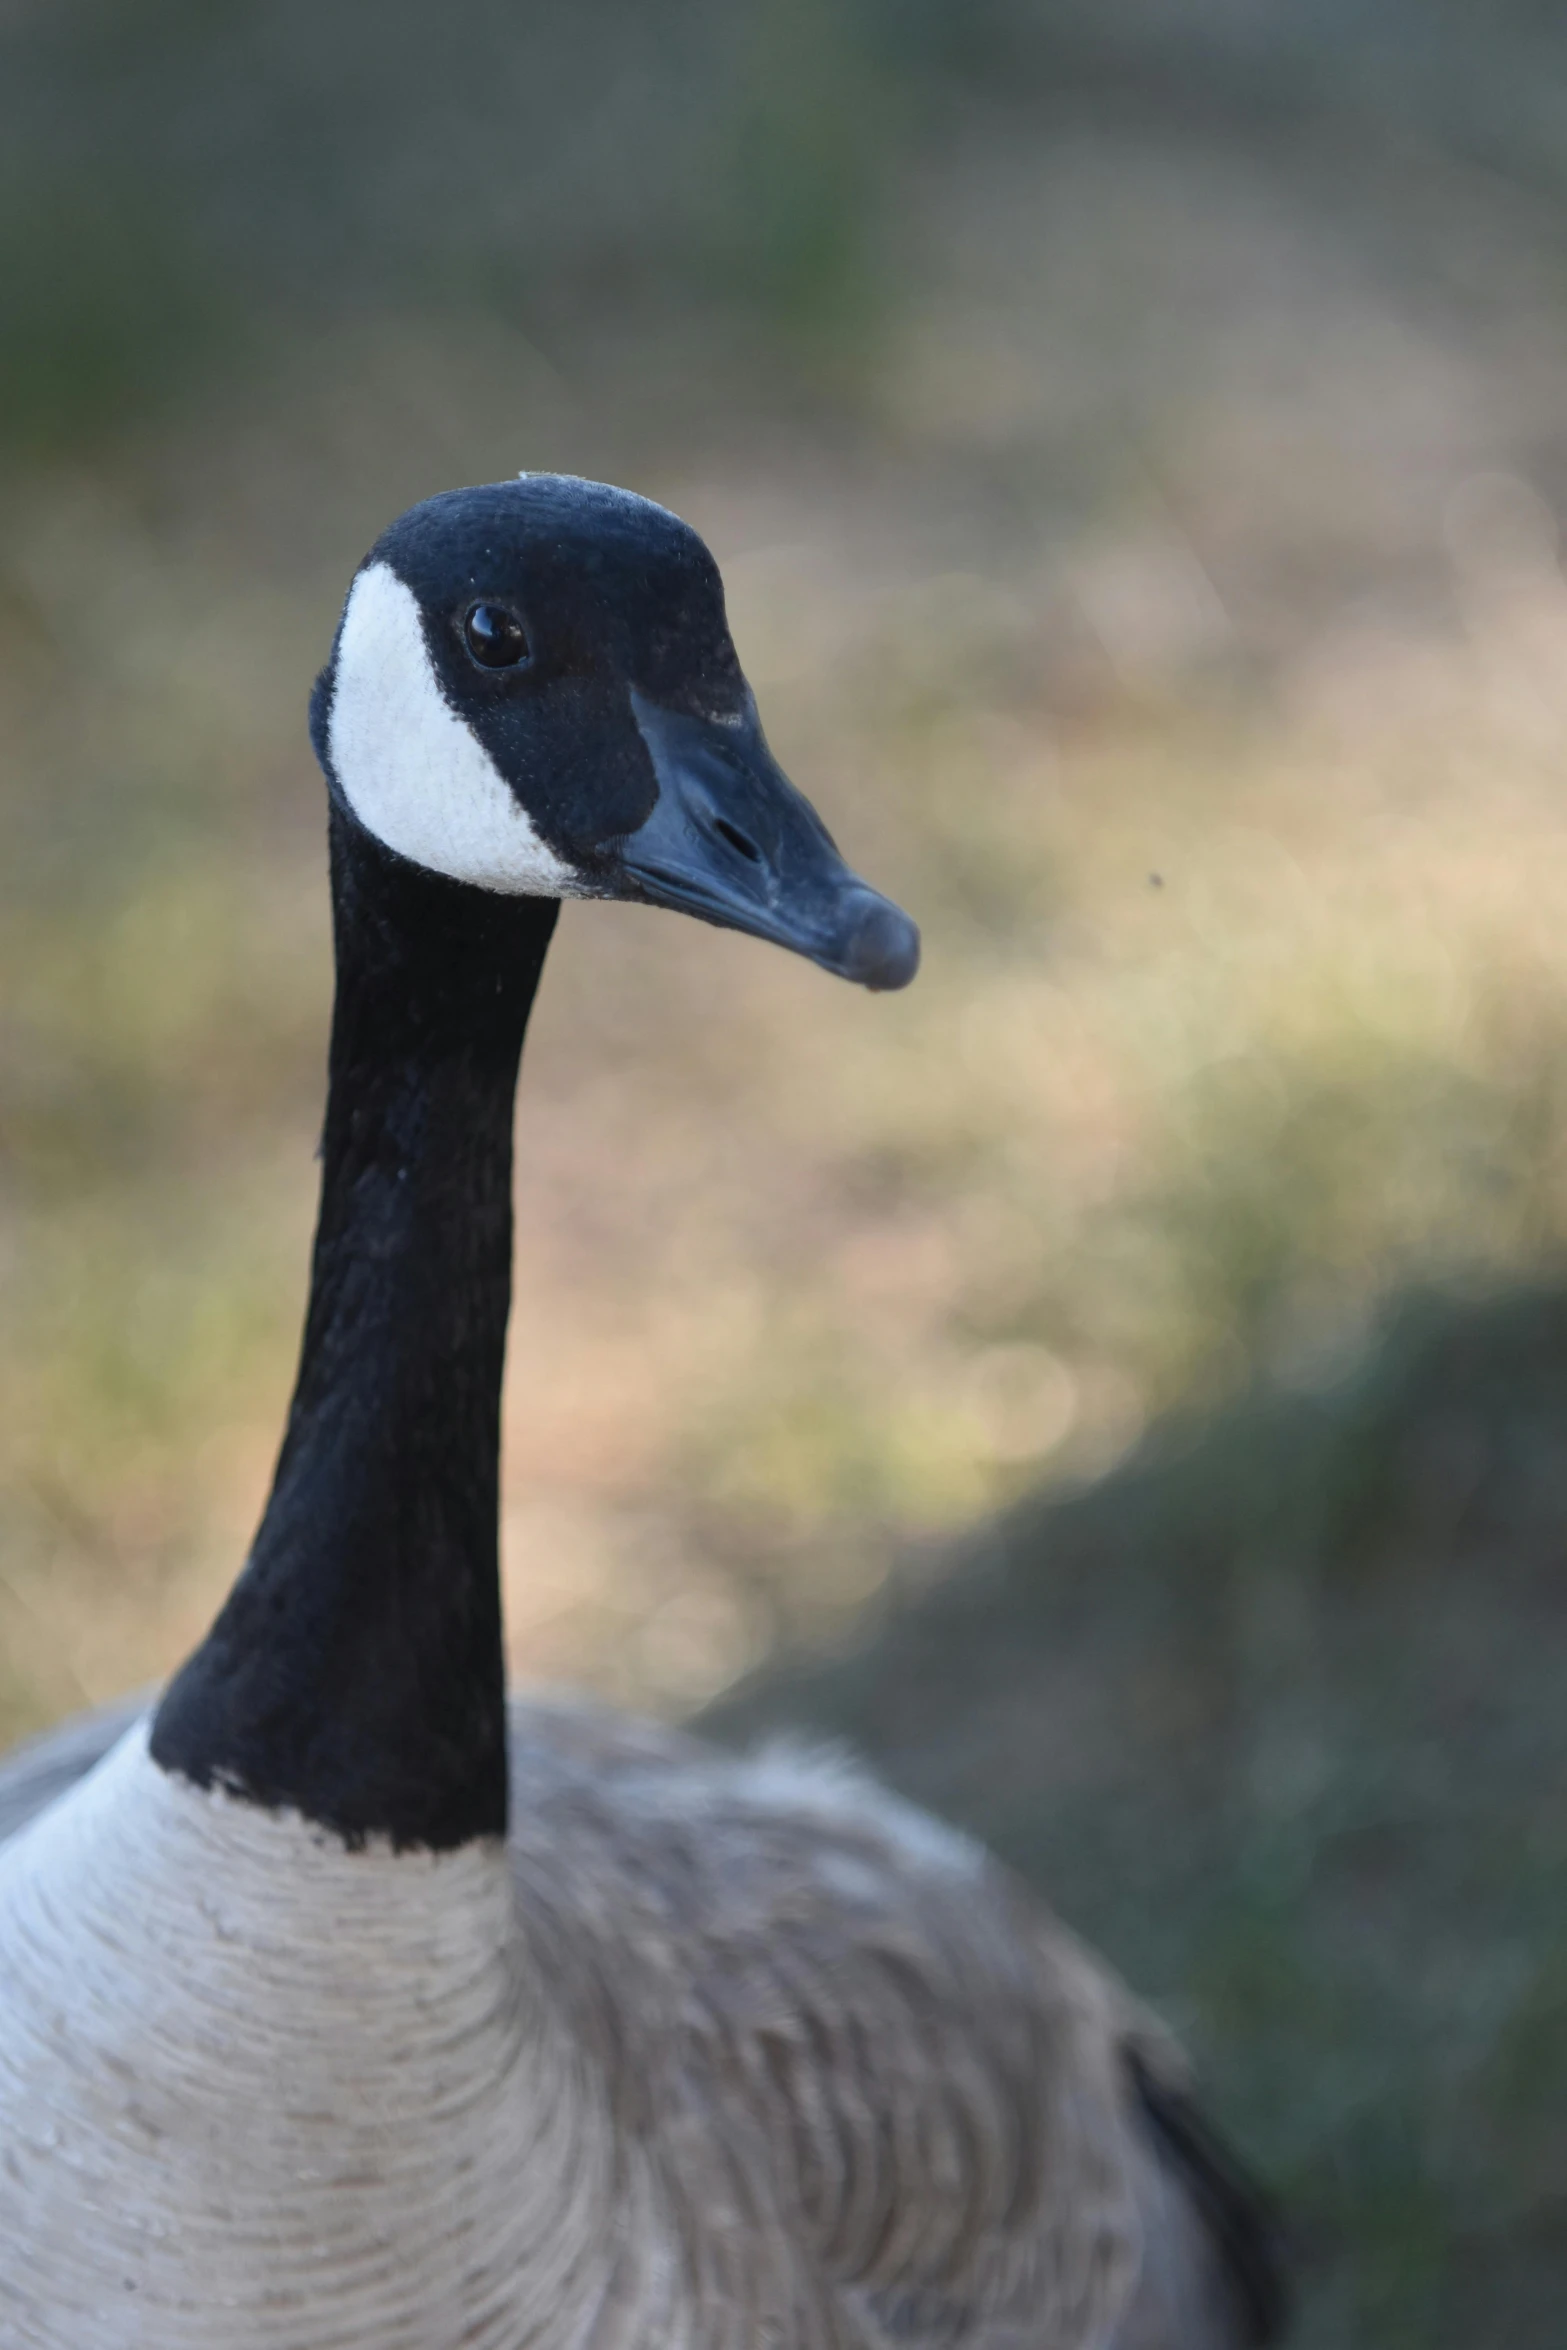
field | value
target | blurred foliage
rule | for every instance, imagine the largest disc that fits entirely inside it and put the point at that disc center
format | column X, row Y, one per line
column 1270, row 1711
column 182, row 181
column 1132, row 431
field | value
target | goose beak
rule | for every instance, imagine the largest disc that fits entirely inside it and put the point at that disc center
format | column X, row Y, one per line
column 731, row 841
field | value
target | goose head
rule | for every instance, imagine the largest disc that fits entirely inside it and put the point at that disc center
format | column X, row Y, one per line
column 533, row 692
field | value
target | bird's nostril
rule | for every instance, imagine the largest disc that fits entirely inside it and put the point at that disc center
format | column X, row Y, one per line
column 737, row 839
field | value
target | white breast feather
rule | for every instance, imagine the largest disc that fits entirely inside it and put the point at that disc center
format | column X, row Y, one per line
column 414, row 774
column 244, row 2069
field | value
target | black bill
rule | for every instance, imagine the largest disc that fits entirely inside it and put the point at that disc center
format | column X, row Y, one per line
column 733, row 842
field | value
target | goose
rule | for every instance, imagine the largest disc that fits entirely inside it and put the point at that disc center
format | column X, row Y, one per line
column 346, row 2006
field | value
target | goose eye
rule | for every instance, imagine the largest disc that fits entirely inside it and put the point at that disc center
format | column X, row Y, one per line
column 495, row 637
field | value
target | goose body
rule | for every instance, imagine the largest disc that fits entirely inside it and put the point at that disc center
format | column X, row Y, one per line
column 344, row 2007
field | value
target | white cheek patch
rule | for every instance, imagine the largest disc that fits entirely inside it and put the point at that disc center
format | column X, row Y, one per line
column 412, row 772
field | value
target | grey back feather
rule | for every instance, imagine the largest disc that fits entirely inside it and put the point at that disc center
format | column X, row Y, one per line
column 885, row 2098
column 34, row 1773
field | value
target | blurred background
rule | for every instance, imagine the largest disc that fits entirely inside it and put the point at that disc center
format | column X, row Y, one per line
column 1122, row 1384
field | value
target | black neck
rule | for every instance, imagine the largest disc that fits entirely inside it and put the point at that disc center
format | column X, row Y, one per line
column 356, row 1671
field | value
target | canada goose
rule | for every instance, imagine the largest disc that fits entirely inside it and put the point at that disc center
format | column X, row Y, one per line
column 340, row 2010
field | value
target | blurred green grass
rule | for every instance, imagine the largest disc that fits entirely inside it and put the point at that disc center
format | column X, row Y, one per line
column 1271, row 1711
column 1133, row 439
